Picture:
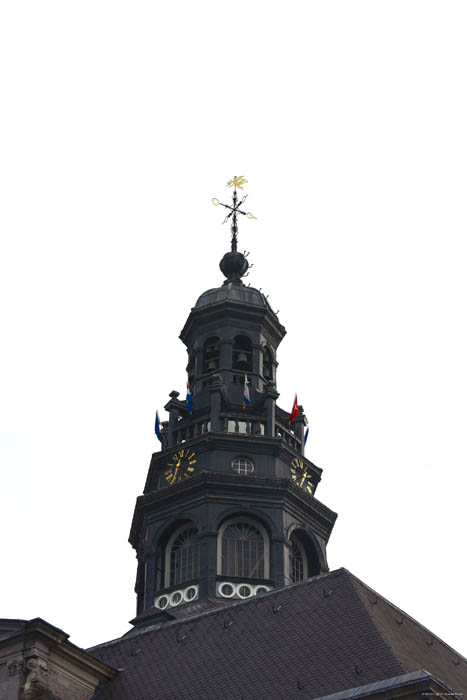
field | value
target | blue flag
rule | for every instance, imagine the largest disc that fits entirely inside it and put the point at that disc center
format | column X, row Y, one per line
column 157, row 428
column 189, row 400
column 306, row 436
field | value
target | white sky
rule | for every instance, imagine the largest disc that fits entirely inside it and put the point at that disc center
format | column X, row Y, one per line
column 119, row 122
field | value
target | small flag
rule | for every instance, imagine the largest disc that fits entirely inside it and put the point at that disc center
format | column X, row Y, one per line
column 306, row 436
column 157, row 428
column 189, row 400
column 246, row 393
column 294, row 412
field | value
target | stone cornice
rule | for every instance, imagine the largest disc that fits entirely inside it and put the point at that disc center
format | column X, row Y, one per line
column 224, row 484
column 43, row 663
column 232, row 310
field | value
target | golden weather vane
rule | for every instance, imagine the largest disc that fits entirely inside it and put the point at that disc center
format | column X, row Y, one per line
column 236, row 181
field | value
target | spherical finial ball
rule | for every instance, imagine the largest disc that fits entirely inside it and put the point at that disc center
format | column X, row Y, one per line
column 233, row 265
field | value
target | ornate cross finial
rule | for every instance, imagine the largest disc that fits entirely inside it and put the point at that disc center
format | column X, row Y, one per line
column 237, row 181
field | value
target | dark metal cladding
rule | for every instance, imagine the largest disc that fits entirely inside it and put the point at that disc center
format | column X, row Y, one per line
column 233, row 266
column 232, row 292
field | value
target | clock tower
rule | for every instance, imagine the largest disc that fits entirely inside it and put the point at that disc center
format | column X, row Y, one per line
column 229, row 508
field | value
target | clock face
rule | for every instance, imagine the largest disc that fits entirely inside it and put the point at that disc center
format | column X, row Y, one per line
column 180, row 466
column 301, row 476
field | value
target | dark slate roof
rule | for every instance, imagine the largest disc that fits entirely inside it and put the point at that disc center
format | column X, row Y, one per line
column 8, row 628
column 412, row 644
column 418, row 680
column 238, row 293
column 324, row 635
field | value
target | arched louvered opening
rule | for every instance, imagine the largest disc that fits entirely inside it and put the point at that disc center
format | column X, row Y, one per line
column 267, row 365
column 159, row 568
column 184, row 556
column 211, row 355
column 298, row 565
column 303, row 560
column 190, row 369
column 242, row 357
column 177, row 555
column 243, row 548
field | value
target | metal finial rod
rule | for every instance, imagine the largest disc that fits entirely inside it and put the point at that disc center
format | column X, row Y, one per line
column 234, row 227
column 235, row 209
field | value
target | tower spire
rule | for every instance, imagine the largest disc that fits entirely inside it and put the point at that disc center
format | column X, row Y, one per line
column 236, row 181
column 234, row 264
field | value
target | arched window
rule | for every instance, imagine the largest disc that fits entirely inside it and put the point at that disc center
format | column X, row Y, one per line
column 190, row 368
column 298, row 565
column 267, row 365
column 243, row 549
column 211, row 354
column 159, row 570
column 242, row 358
column 182, row 556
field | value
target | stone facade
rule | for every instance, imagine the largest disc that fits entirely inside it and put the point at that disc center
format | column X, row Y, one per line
column 37, row 662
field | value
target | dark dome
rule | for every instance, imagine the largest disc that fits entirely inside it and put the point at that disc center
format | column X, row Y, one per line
column 233, row 265
column 232, row 292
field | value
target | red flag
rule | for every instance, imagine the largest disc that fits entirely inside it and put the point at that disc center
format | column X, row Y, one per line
column 294, row 413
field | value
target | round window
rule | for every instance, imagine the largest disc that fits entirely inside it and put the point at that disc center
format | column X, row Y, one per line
column 260, row 589
column 191, row 592
column 227, row 590
column 162, row 602
column 242, row 465
column 244, row 591
column 176, row 598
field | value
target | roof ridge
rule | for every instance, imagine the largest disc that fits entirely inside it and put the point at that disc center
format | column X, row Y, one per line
column 401, row 612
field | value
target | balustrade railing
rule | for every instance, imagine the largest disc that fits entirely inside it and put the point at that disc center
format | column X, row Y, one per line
column 242, row 424
column 200, row 427
column 288, row 436
column 236, row 424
